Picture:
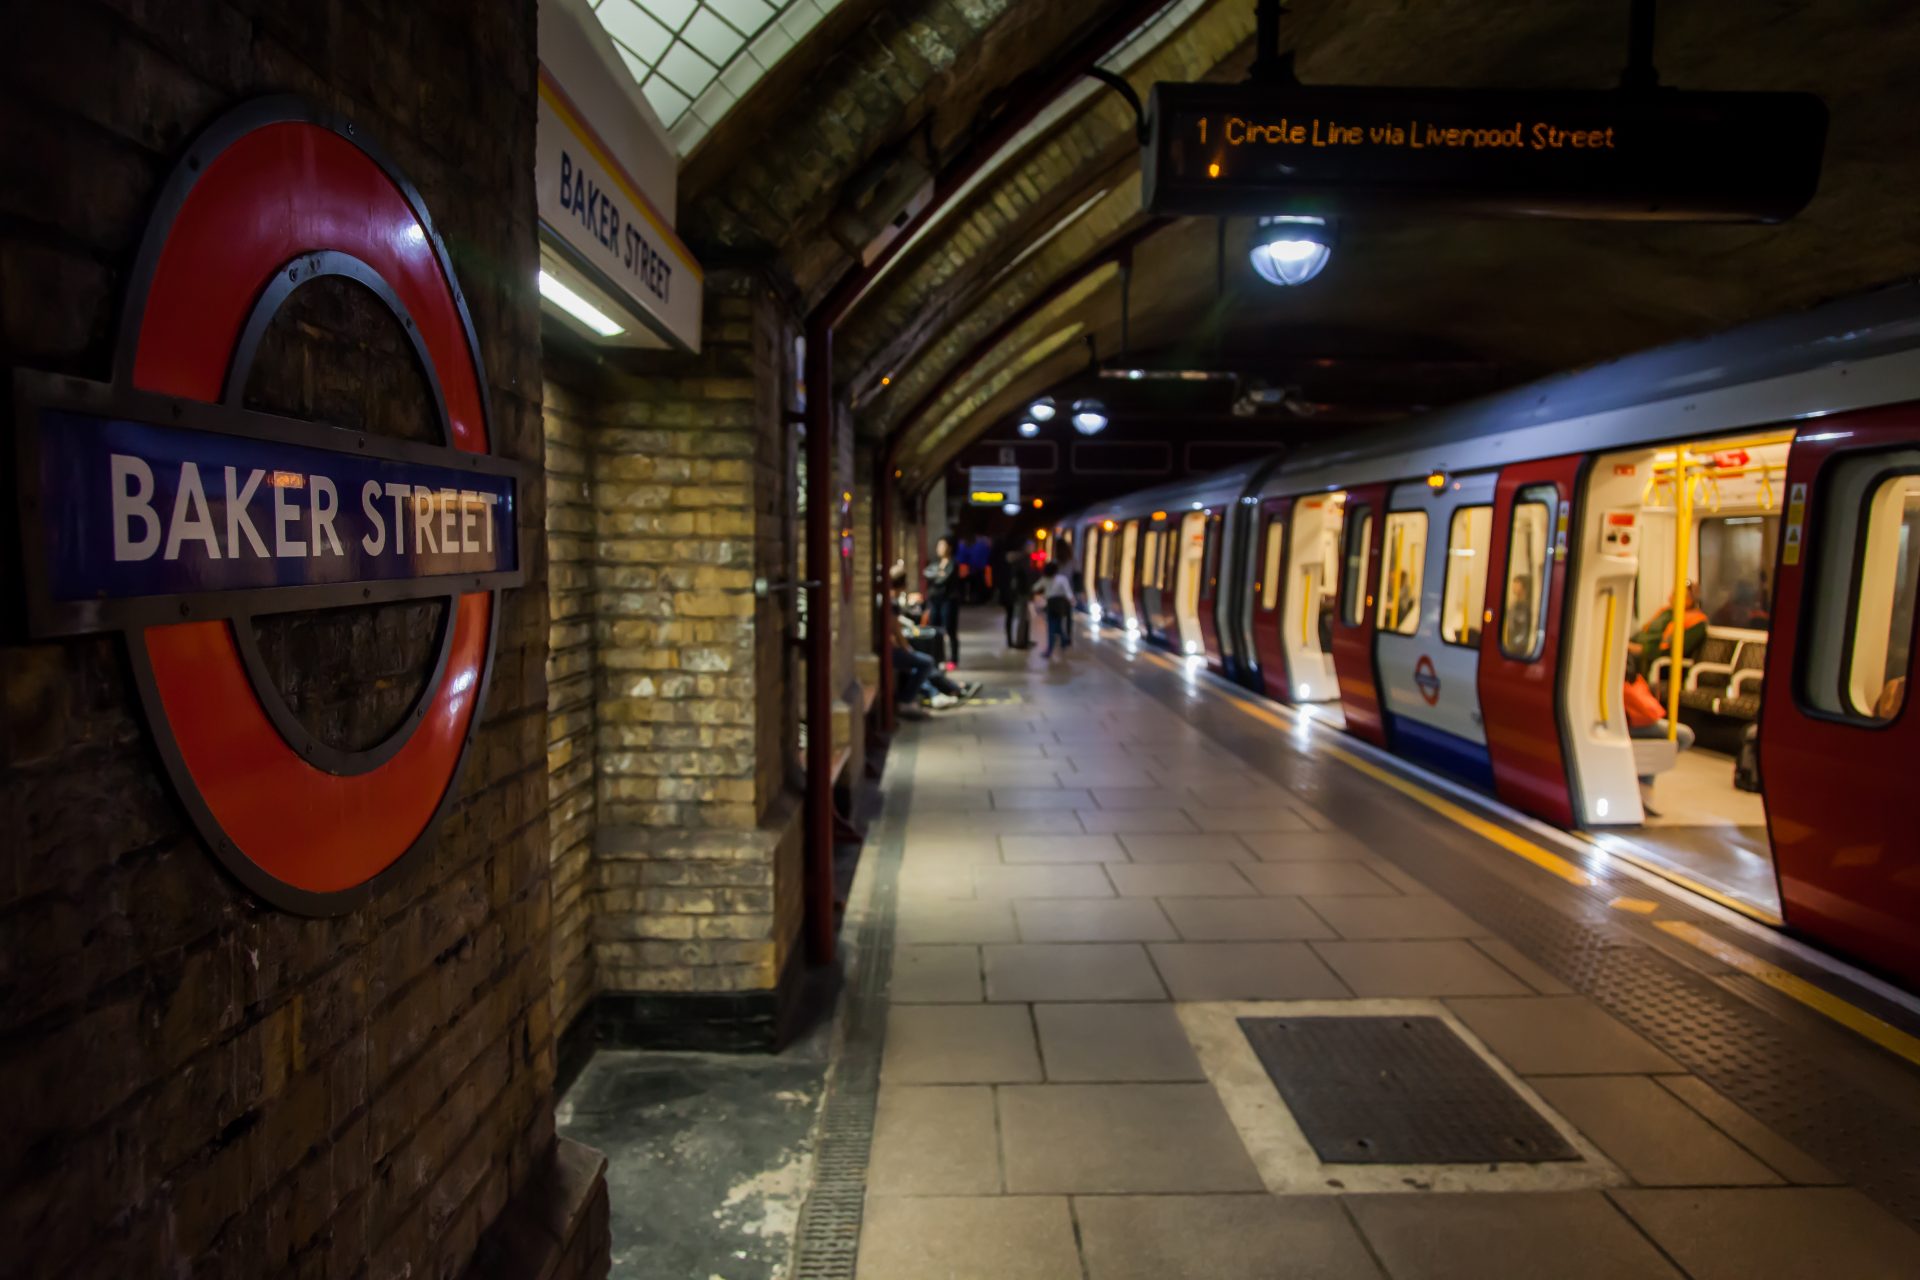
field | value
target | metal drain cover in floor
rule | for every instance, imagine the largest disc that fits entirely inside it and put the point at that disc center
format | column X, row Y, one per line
column 1398, row 1090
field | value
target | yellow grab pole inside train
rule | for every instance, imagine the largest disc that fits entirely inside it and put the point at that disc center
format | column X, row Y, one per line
column 1677, row 620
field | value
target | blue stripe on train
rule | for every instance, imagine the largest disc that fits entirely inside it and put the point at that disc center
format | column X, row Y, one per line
column 1437, row 749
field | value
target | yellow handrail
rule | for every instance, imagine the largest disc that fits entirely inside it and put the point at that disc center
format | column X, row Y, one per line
column 1306, row 602
column 1677, row 620
column 1606, row 656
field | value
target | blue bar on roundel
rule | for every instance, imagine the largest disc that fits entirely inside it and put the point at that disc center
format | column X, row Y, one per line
column 131, row 509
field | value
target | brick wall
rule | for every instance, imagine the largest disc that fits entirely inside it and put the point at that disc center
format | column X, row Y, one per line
column 192, row 1083
column 570, row 695
column 697, row 841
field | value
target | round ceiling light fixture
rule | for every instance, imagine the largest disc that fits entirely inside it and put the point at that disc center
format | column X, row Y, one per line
column 1043, row 409
column 1089, row 417
column 1289, row 250
column 1029, row 429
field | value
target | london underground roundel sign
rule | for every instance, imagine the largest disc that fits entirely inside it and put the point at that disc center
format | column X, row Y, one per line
column 158, row 506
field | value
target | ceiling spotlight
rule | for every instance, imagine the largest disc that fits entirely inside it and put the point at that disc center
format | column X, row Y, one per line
column 1029, row 429
column 1011, row 508
column 1043, row 409
column 1089, row 417
column 1290, row 250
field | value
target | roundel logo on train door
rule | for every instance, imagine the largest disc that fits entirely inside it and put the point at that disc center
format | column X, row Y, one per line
column 157, row 505
column 1427, row 680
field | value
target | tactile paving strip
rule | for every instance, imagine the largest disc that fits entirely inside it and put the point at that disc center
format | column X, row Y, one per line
column 1398, row 1090
column 827, row 1242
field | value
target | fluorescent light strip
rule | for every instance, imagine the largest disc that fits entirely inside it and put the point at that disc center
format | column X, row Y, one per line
column 578, row 307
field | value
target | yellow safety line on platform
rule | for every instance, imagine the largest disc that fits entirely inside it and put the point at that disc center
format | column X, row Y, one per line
column 1493, row 832
column 1853, row 1018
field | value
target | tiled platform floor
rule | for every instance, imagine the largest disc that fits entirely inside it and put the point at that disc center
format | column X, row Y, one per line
column 1079, row 863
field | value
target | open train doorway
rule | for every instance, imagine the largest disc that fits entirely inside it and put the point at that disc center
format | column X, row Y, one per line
column 1672, row 609
column 1188, row 569
column 1310, row 585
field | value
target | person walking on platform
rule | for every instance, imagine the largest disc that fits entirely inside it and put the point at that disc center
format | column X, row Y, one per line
column 1056, row 588
column 1016, row 589
column 943, row 598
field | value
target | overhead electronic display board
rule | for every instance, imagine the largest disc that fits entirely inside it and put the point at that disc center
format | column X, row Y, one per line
column 992, row 486
column 1654, row 155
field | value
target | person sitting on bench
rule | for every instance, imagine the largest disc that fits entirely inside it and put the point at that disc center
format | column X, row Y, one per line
column 1655, row 640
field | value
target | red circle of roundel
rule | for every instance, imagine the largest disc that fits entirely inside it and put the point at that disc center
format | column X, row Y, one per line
column 265, row 186
column 1427, row 680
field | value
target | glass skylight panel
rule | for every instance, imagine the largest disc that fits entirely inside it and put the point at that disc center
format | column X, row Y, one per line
column 716, row 41
column 633, row 27
column 682, row 51
column 672, row 12
column 799, row 18
column 667, row 102
column 746, row 16
column 635, row 68
column 689, row 71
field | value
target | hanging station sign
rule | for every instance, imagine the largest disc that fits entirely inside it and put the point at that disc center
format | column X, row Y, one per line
column 159, row 506
column 606, row 180
column 1640, row 155
column 992, row 486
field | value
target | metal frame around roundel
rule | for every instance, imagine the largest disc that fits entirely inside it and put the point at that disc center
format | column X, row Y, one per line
column 264, row 190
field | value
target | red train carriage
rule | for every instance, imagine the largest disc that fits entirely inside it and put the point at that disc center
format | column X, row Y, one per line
column 1668, row 601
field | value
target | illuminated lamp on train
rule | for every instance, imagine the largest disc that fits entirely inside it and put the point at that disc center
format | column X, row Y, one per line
column 1013, row 509
column 1089, row 417
column 1043, row 409
column 1287, row 249
column 1028, row 430
column 1437, row 481
column 1109, row 526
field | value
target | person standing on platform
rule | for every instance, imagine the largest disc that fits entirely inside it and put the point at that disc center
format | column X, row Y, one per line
column 1056, row 588
column 943, row 598
column 1016, row 589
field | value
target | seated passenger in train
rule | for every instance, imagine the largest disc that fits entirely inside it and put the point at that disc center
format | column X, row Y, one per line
column 1744, row 607
column 1655, row 640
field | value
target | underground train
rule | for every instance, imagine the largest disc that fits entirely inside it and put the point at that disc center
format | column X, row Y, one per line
column 1476, row 589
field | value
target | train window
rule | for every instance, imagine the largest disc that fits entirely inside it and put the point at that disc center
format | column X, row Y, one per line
column 1878, row 646
column 1523, row 622
column 1466, row 585
column 1150, row 569
column 1353, row 574
column 1736, row 569
column 1270, row 567
column 1403, row 547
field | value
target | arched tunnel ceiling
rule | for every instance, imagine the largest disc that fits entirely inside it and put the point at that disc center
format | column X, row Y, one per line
column 1521, row 297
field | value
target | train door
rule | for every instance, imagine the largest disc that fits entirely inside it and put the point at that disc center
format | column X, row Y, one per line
column 1520, row 643
column 1207, row 608
column 1087, row 584
column 1671, row 613
column 1839, row 733
column 1354, row 613
column 1109, row 579
column 1188, row 567
column 1427, row 621
column 1153, row 606
column 1129, row 574
column 1307, row 596
column 1269, row 569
